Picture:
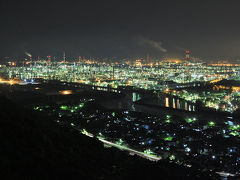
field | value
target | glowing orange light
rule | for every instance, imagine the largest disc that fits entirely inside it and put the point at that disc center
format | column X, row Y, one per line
column 11, row 82
column 214, row 81
column 66, row 92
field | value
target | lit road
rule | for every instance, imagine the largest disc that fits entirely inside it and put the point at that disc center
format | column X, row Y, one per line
column 225, row 174
column 152, row 158
column 132, row 151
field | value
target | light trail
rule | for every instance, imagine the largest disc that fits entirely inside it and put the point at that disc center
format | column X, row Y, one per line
column 150, row 157
column 225, row 174
column 132, row 151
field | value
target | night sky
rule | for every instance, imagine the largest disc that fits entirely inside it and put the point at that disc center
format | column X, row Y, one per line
column 209, row 28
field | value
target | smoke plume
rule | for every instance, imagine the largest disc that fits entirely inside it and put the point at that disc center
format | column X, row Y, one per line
column 28, row 54
column 154, row 44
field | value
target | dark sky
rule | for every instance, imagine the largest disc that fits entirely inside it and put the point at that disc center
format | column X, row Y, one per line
column 209, row 28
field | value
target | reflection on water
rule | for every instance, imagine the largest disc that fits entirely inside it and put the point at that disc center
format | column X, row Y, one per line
column 135, row 97
column 127, row 102
column 190, row 108
column 177, row 103
column 174, row 103
column 167, row 102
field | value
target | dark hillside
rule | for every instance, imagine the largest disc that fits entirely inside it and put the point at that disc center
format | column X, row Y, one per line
column 32, row 146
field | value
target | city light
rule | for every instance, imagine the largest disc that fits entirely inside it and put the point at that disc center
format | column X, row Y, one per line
column 65, row 92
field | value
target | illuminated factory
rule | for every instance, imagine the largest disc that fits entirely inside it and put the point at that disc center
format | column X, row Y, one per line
column 137, row 74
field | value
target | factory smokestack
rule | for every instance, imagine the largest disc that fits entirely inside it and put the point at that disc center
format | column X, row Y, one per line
column 187, row 57
column 64, row 56
column 49, row 58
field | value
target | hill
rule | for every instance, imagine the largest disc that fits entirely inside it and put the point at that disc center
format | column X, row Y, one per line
column 35, row 147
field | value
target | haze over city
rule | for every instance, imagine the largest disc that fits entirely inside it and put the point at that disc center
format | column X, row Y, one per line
column 120, row 89
column 121, row 28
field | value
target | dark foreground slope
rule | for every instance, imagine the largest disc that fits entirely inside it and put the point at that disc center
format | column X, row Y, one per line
column 34, row 147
